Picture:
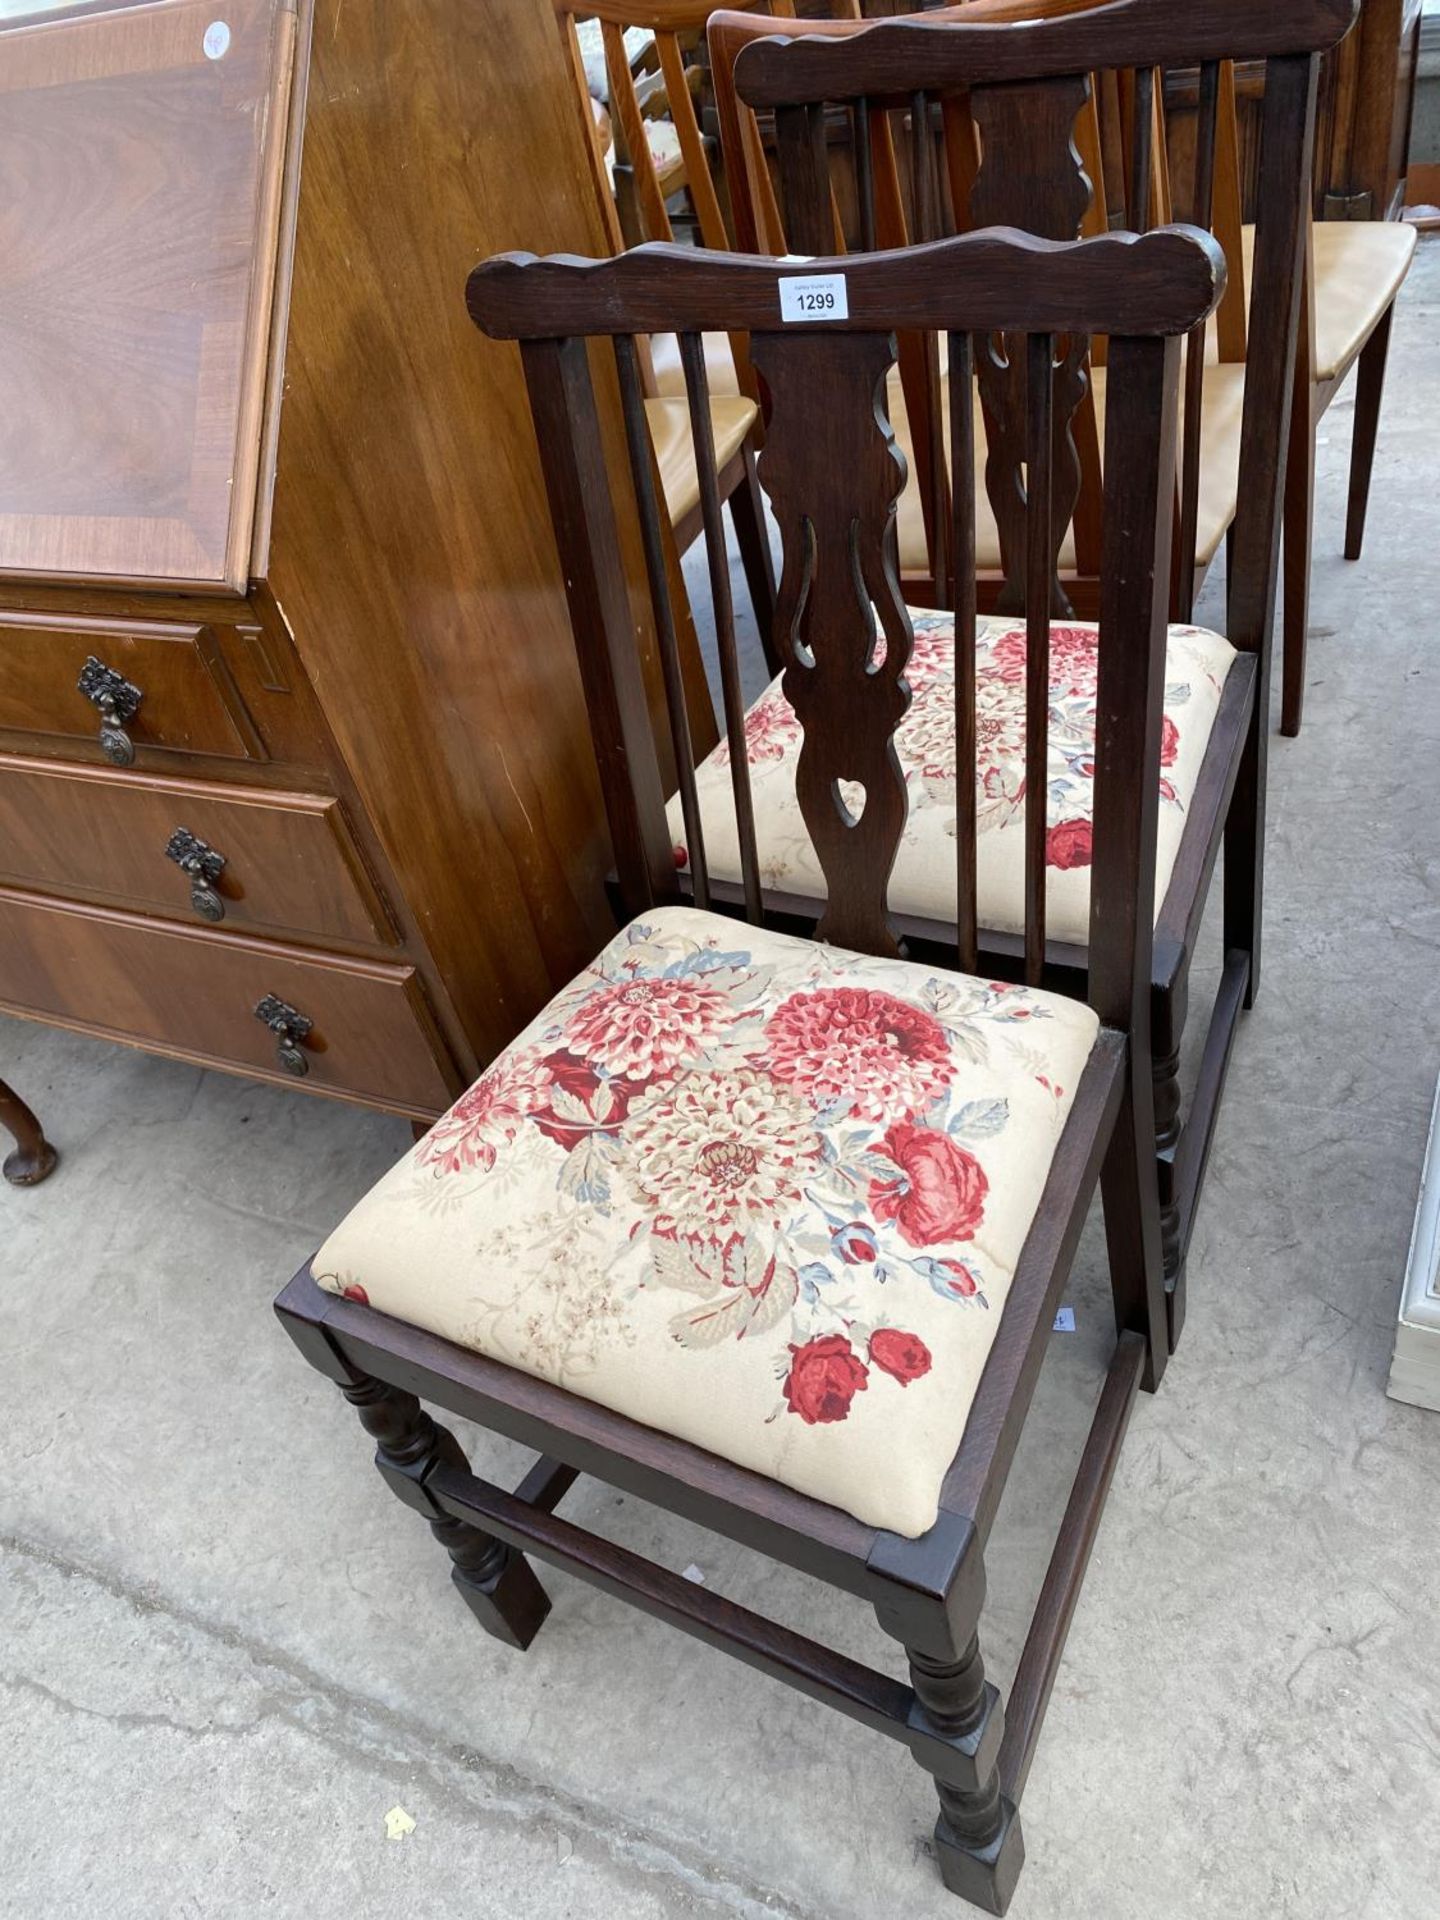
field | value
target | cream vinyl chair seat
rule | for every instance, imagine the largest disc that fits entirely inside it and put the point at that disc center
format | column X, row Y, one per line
column 1360, row 266
column 1224, row 398
column 731, row 417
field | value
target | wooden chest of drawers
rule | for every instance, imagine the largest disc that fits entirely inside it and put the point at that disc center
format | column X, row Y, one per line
column 294, row 772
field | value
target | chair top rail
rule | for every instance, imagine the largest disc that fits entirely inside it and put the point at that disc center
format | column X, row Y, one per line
column 1160, row 283
column 654, row 16
column 898, row 56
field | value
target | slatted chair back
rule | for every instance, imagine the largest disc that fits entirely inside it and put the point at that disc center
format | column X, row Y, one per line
column 914, row 180
column 1027, row 85
column 676, row 25
column 833, row 475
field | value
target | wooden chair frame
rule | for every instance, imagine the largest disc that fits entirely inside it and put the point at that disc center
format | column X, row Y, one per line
column 1028, row 82
column 927, row 1592
column 1312, row 396
column 1216, row 203
column 668, row 20
column 34, row 1158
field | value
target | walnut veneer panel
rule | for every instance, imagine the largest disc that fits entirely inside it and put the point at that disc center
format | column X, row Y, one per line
column 411, row 548
column 193, row 994
column 188, row 704
column 291, row 864
column 140, row 151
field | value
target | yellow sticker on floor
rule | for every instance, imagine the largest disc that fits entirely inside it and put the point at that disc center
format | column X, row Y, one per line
column 398, row 1823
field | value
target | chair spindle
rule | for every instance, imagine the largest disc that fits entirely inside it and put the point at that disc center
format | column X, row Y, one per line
column 865, row 174
column 697, row 388
column 642, row 473
column 1202, row 206
column 962, row 548
column 1142, row 131
column 1039, row 563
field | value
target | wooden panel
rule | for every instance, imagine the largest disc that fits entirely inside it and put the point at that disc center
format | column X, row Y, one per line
column 290, row 862
column 193, row 994
column 410, row 547
column 141, row 154
column 189, row 702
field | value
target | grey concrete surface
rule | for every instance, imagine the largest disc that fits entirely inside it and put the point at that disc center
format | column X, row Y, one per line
column 226, row 1651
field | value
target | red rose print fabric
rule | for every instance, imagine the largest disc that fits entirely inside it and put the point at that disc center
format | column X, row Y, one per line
column 924, row 882
column 753, row 1191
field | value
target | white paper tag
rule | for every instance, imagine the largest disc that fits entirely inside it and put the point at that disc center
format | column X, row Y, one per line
column 1065, row 1320
column 812, row 297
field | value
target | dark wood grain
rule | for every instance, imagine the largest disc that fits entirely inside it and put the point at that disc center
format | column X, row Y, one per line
column 782, row 71
column 1125, row 283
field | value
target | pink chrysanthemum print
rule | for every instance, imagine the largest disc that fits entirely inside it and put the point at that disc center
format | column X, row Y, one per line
column 771, row 731
column 881, row 1054
column 1074, row 660
column 489, row 1116
column 645, row 1029
column 720, row 1154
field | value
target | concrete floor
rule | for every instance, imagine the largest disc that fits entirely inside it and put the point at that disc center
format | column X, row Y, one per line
column 227, row 1652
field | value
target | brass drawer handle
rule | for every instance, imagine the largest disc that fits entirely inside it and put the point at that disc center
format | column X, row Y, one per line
column 117, row 701
column 289, row 1028
column 204, row 866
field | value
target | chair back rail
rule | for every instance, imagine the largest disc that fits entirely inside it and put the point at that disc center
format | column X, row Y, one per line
column 1028, row 74
column 833, row 475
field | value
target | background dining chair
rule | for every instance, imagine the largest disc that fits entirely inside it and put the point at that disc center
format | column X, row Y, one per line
column 1030, row 175
column 653, row 1242
column 1353, row 272
column 675, row 27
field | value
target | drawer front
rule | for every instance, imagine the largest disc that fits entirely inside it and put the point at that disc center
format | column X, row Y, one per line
column 193, row 994
column 168, row 686
column 289, row 862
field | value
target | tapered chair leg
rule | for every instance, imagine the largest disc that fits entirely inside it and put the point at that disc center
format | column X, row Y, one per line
column 1139, row 1280
column 496, row 1583
column 1369, row 392
column 34, row 1158
column 752, row 536
column 1299, row 521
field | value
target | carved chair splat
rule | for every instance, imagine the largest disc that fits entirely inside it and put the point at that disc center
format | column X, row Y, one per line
column 910, row 1542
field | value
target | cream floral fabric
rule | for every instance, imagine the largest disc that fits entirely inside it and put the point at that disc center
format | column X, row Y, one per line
column 755, row 1192
column 924, row 881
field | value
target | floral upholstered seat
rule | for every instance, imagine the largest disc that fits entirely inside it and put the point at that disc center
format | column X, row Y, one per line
column 924, row 880
column 756, row 1192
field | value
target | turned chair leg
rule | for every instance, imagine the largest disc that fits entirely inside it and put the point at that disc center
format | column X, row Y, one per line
column 497, row 1584
column 979, row 1844
column 752, row 536
column 1369, row 391
column 34, row 1158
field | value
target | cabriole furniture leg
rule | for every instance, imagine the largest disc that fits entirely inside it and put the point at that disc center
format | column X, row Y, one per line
column 34, row 1158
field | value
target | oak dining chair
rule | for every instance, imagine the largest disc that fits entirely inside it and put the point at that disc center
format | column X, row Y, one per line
column 1025, row 85
column 766, row 1229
